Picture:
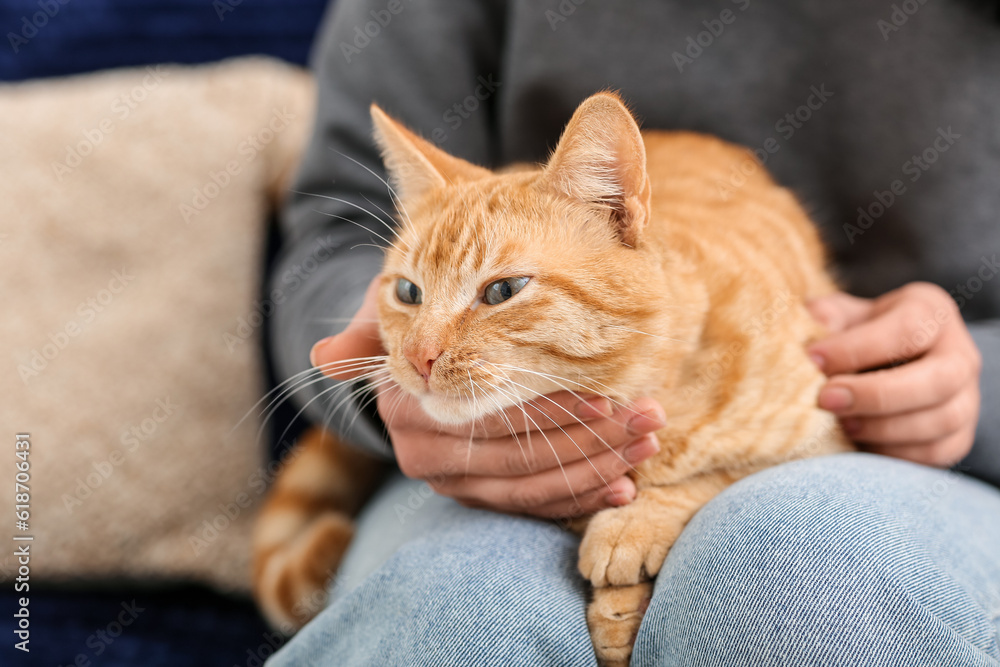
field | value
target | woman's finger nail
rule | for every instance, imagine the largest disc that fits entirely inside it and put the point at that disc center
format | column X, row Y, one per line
column 818, row 359
column 642, row 449
column 836, row 399
column 646, row 421
column 616, row 500
column 619, row 493
column 594, row 407
column 316, row 349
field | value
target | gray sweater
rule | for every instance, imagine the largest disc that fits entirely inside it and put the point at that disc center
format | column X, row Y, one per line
column 883, row 117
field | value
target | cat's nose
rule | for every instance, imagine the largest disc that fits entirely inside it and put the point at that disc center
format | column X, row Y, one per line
column 423, row 358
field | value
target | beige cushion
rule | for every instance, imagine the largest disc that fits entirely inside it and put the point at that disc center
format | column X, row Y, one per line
column 133, row 209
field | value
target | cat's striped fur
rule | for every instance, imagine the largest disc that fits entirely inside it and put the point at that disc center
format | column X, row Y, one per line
column 305, row 526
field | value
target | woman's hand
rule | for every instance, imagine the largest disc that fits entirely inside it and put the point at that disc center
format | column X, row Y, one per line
column 923, row 402
column 565, row 457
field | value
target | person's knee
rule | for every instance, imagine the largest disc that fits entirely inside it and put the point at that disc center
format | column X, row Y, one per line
column 497, row 563
column 806, row 561
column 795, row 528
column 495, row 590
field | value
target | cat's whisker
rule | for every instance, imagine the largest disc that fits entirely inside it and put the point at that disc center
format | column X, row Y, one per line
column 301, row 375
column 581, row 422
column 398, row 203
column 400, row 397
column 388, row 243
column 519, row 402
column 340, row 200
column 341, row 320
column 392, row 193
column 294, row 378
column 472, row 431
column 316, row 375
column 340, row 386
column 555, row 454
column 368, row 245
column 303, row 409
column 516, row 401
column 381, row 209
column 334, row 370
column 404, row 217
column 373, row 388
column 527, row 434
column 513, row 395
column 556, row 379
column 646, row 333
column 500, row 409
column 510, row 426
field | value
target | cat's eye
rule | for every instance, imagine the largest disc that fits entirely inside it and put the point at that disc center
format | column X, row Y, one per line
column 501, row 290
column 408, row 293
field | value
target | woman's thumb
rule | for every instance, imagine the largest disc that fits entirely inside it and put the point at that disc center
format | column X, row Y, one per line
column 348, row 354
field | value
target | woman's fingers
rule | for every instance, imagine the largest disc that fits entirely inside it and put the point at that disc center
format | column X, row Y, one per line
column 924, row 383
column 925, row 409
column 617, row 493
column 543, row 412
column 549, row 488
column 902, row 325
column 545, row 448
column 538, row 450
column 917, row 426
column 942, row 453
column 840, row 311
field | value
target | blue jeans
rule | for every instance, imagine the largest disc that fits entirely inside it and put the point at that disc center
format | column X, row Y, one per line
column 853, row 559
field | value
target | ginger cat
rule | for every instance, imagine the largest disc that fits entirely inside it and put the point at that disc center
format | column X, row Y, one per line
column 622, row 268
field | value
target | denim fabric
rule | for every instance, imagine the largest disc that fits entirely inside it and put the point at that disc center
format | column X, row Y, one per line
column 852, row 560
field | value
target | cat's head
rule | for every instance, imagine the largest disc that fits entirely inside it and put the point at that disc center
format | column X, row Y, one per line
column 502, row 286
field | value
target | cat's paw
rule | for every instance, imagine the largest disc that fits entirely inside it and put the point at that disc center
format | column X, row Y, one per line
column 614, row 617
column 624, row 546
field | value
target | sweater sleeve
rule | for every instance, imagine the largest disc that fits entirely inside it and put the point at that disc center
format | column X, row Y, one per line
column 984, row 459
column 419, row 61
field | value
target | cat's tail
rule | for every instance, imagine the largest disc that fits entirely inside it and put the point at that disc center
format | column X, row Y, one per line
column 305, row 525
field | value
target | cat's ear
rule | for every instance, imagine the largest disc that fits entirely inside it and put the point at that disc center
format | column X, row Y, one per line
column 601, row 161
column 415, row 165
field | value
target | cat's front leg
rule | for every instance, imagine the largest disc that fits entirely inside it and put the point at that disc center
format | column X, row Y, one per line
column 623, row 549
column 624, row 546
column 613, row 618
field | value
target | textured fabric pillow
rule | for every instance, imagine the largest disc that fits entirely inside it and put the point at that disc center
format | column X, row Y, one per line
column 133, row 210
